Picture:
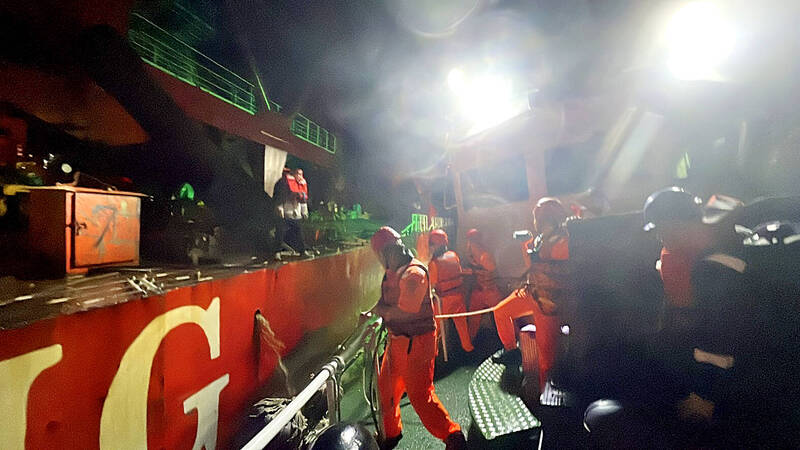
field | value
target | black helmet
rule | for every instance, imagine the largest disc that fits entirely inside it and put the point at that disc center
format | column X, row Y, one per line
column 345, row 436
column 672, row 204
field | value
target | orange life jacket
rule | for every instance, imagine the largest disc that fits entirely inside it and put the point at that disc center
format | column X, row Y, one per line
column 676, row 273
column 298, row 188
column 422, row 321
column 483, row 277
column 550, row 273
column 555, row 247
column 448, row 269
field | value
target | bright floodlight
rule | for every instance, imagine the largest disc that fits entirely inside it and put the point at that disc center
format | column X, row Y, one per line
column 488, row 102
column 699, row 39
column 484, row 101
column 456, row 80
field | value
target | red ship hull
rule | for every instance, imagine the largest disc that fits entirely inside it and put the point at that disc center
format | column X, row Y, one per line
column 170, row 371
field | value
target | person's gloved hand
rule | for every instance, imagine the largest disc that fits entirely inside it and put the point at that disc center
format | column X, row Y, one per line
column 546, row 304
column 695, row 409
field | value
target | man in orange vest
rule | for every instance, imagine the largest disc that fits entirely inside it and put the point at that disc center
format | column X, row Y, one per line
column 551, row 243
column 446, row 278
column 485, row 293
column 407, row 310
column 675, row 210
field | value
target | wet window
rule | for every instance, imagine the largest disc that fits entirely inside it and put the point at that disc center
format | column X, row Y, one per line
column 565, row 171
column 568, row 169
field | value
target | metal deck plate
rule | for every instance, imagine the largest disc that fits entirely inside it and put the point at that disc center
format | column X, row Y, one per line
column 495, row 411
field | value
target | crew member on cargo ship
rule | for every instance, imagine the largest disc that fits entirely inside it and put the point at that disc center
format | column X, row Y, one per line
column 291, row 193
column 446, row 278
column 407, row 366
column 481, row 264
column 536, row 296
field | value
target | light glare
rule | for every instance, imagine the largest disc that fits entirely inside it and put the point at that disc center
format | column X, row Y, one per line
column 456, row 80
column 484, row 101
column 699, row 39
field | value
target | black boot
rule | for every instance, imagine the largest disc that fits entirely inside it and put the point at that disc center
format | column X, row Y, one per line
column 456, row 441
column 390, row 443
column 508, row 358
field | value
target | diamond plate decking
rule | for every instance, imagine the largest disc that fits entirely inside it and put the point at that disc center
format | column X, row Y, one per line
column 496, row 411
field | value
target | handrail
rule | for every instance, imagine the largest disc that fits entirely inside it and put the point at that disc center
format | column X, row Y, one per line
column 311, row 132
column 327, row 376
column 171, row 54
column 194, row 50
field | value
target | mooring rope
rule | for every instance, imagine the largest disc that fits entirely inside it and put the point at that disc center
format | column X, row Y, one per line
column 465, row 314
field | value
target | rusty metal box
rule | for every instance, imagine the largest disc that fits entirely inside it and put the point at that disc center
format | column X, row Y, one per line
column 74, row 229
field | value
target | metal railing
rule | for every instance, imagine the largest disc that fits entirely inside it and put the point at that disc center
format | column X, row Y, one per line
column 161, row 49
column 328, row 376
column 422, row 223
column 193, row 27
column 307, row 130
column 168, row 53
column 273, row 106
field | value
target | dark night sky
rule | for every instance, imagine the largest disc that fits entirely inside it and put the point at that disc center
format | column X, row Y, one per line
column 376, row 71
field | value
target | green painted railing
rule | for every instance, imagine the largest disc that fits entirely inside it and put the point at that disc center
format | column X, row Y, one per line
column 307, row 130
column 165, row 51
column 162, row 50
column 422, row 223
column 193, row 28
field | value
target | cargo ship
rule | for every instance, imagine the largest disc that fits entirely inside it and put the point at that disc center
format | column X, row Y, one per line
column 113, row 337
column 102, row 348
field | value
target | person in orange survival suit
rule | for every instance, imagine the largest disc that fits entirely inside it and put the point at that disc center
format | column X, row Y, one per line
column 551, row 243
column 407, row 310
column 446, row 278
column 485, row 293
column 673, row 208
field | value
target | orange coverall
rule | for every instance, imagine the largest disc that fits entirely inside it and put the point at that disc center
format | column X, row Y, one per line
column 445, row 273
column 485, row 293
column 520, row 304
column 675, row 268
column 408, row 362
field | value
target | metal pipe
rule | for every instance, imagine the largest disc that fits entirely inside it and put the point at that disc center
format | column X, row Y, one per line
column 442, row 326
column 332, row 396
column 263, row 437
column 375, row 404
column 328, row 372
column 336, row 367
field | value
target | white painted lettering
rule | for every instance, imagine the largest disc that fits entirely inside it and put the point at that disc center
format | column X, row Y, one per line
column 16, row 377
column 206, row 402
column 123, row 424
